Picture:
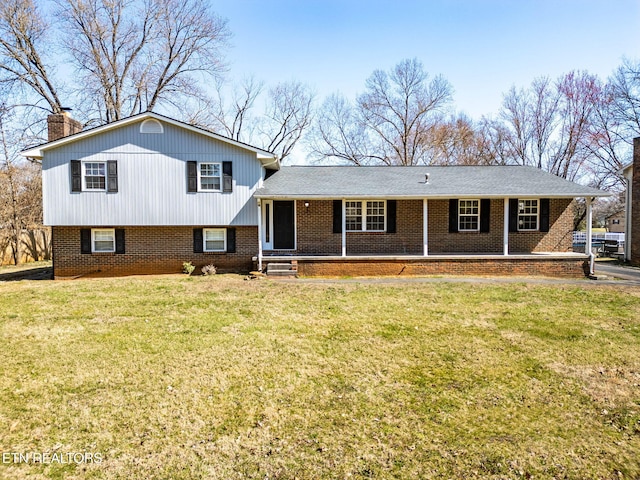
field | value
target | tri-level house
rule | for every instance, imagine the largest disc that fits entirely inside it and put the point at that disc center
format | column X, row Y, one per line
column 147, row 193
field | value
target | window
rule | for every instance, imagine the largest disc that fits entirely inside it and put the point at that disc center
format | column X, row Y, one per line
column 103, row 240
column 528, row 215
column 95, row 175
column 365, row 216
column 214, row 240
column 468, row 215
column 209, row 176
column 353, row 212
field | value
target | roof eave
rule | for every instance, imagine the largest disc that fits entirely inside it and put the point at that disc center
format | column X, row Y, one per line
column 264, row 156
column 266, row 196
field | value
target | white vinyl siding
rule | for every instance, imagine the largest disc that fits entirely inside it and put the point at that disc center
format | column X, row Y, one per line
column 214, row 239
column 365, row 216
column 94, row 175
column 528, row 211
column 468, row 215
column 103, row 240
column 152, row 181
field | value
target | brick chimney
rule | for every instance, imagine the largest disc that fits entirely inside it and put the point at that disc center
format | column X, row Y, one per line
column 62, row 125
column 634, row 227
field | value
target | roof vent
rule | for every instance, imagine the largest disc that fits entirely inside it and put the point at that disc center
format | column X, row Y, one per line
column 426, row 178
column 151, row 125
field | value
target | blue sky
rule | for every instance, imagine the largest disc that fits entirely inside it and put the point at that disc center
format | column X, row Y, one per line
column 482, row 47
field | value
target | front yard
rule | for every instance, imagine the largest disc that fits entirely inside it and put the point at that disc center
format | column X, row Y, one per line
column 217, row 377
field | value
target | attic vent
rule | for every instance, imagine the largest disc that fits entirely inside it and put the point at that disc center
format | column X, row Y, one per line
column 151, row 126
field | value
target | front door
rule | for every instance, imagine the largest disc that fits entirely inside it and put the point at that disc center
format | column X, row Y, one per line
column 284, row 225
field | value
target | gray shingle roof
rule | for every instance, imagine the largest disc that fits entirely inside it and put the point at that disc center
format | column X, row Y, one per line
column 409, row 182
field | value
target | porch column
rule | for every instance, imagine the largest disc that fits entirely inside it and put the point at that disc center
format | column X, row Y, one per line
column 259, row 235
column 589, row 241
column 505, row 234
column 425, row 227
column 344, row 227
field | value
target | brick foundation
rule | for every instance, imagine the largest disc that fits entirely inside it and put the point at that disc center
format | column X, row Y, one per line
column 572, row 267
column 148, row 250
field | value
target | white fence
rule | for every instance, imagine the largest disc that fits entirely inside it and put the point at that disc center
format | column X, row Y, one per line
column 581, row 237
column 599, row 240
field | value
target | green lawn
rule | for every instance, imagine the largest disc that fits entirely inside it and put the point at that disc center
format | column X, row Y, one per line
column 217, row 377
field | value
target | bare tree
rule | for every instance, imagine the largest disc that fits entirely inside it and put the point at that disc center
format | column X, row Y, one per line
column 287, row 115
column 20, row 191
column 237, row 120
column 458, row 141
column 390, row 123
column 23, row 39
column 400, row 107
column 134, row 55
column 579, row 95
column 515, row 115
column 338, row 133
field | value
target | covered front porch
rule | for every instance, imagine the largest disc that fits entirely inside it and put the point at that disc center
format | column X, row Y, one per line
column 319, row 237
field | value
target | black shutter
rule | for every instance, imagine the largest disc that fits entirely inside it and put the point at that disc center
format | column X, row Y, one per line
column 544, row 214
column 513, row 214
column 119, row 240
column 85, row 240
column 197, row 240
column 192, row 176
column 227, row 176
column 391, row 216
column 485, row 215
column 112, row 176
column 337, row 216
column 76, row 176
column 453, row 215
column 231, row 240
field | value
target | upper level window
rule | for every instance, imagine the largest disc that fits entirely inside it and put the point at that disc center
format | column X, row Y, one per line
column 528, row 214
column 103, row 240
column 210, row 176
column 95, row 175
column 361, row 216
column 468, row 215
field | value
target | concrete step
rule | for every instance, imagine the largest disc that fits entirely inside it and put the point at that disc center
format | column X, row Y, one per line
column 280, row 266
column 282, row 273
column 282, row 269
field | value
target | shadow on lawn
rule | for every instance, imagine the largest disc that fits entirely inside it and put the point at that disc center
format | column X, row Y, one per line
column 42, row 273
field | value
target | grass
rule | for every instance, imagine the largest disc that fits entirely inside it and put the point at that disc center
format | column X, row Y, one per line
column 216, row 377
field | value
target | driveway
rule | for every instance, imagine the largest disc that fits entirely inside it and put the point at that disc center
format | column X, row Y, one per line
column 618, row 271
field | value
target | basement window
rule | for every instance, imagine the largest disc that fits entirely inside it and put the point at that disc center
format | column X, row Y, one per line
column 103, row 240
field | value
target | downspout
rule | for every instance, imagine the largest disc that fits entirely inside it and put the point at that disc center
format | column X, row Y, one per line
column 259, row 235
column 592, row 257
column 627, row 220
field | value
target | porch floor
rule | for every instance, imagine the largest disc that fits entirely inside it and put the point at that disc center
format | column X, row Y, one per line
column 435, row 256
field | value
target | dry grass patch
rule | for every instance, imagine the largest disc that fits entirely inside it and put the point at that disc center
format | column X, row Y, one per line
column 216, row 377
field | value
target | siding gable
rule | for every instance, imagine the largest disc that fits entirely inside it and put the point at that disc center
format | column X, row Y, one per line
column 150, row 183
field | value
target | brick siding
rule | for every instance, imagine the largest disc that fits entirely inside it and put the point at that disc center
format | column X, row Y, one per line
column 634, row 228
column 61, row 125
column 315, row 232
column 149, row 250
